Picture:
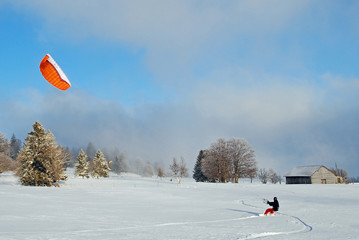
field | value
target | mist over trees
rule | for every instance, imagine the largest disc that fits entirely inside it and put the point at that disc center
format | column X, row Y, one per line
column 90, row 151
column 120, row 164
column 224, row 161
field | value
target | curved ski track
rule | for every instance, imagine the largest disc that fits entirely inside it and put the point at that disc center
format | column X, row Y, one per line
column 307, row 228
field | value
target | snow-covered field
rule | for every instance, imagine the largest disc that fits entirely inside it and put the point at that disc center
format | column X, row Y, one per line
column 132, row 207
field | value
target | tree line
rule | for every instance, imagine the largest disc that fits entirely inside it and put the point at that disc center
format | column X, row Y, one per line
column 42, row 162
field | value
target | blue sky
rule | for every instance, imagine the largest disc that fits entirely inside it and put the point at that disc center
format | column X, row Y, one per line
column 163, row 79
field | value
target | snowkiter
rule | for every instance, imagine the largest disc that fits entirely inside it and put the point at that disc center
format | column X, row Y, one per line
column 275, row 206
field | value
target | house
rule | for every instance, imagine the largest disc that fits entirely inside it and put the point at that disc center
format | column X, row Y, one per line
column 316, row 174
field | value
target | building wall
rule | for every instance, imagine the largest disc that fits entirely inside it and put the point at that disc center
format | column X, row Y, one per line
column 298, row 180
column 324, row 176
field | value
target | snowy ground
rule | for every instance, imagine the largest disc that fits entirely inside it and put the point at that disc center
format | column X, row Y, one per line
column 131, row 207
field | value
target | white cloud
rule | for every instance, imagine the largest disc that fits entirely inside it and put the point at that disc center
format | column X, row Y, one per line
column 218, row 56
column 176, row 35
column 286, row 125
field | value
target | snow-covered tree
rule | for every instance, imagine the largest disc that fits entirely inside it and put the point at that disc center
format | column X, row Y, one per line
column 70, row 159
column 82, row 168
column 6, row 163
column 41, row 162
column 99, row 166
column 4, row 145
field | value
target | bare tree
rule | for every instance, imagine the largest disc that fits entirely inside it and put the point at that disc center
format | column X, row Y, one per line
column 232, row 159
column 242, row 158
column 263, row 175
column 216, row 163
column 274, row 177
column 160, row 172
column 175, row 168
column 183, row 168
column 252, row 173
column 179, row 170
column 340, row 172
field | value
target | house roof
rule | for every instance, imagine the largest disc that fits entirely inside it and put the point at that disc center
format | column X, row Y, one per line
column 303, row 171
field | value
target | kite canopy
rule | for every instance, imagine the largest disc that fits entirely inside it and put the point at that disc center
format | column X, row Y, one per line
column 53, row 73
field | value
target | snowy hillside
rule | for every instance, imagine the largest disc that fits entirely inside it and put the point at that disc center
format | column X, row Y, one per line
column 132, row 207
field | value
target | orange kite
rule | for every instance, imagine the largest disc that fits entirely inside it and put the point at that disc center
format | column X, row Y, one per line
column 53, row 73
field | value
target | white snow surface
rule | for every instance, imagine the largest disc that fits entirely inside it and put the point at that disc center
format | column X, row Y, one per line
column 133, row 207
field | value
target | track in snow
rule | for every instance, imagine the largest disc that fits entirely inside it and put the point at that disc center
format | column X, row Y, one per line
column 307, row 228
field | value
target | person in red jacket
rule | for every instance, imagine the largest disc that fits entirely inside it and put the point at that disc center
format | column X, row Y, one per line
column 275, row 206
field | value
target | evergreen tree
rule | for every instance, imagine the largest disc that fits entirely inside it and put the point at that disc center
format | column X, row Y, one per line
column 197, row 172
column 90, row 151
column 15, row 147
column 41, row 161
column 99, row 166
column 70, row 160
column 82, row 168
